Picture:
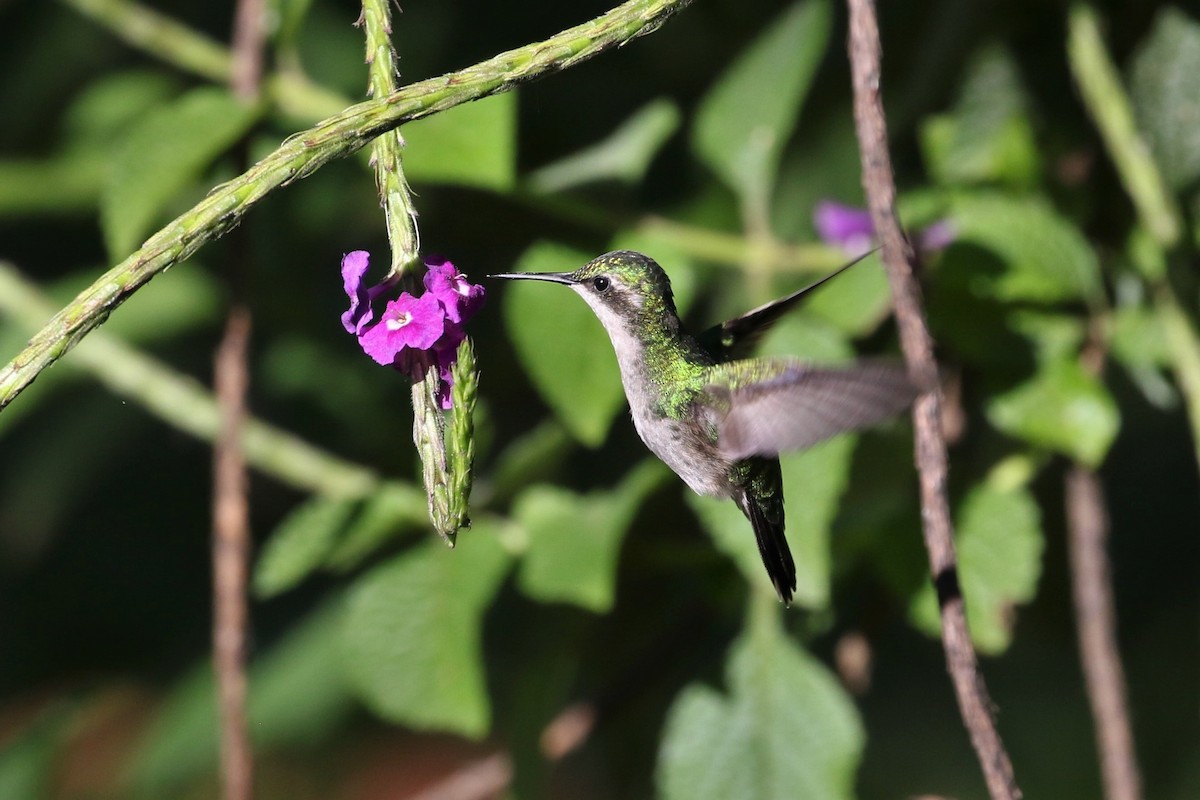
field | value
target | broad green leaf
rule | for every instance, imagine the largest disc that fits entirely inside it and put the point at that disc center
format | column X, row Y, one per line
column 411, row 634
column 105, row 106
column 1166, row 95
column 297, row 696
column 999, row 543
column 562, row 345
column 624, row 155
column 1061, row 408
column 473, row 144
column 1045, row 258
column 533, row 457
column 744, row 121
column 393, row 508
column 813, row 481
column 1055, row 337
column 857, row 301
column 575, row 540
column 1138, row 338
column 300, row 544
column 785, row 729
column 161, row 156
column 988, row 137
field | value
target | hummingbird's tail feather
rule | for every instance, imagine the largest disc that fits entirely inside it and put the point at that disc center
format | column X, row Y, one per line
column 766, row 517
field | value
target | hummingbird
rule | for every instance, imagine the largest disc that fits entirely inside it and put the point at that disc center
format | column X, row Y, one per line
column 717, row 418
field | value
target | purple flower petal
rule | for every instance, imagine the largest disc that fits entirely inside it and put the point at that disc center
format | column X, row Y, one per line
column 937, row 236
column 460, row 297
column 844, row 226
column 408, row 322
column 354, row 267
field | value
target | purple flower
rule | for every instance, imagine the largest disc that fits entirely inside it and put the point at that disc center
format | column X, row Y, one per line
column 407, row 323
column 851, row 229
column 413, row 333
column 844, row 226
column 460, row 298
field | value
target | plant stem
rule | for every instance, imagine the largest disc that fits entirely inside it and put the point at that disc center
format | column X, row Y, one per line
column 175, row 43
column 306, row 152
column 183, row 403
column 172, row 43
column 1108, row 104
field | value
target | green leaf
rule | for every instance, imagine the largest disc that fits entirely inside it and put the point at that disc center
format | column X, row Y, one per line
column 106, row 106
column 534, row 456
column 744, row 121
column 999, row 542
column 297, row 697
column 300, row 544
column 1044, row 257
column 1138, row 338
column 785, row 730
column 624, row 155
column 575, row 540
column 1055, row 337
column 562, row 345
column 857, row 301
column 473, row 144
column 411, row 635
column 395, row 507
column 1061, row 408
column 161, row 156
column 988, row 137
column 1166, row 95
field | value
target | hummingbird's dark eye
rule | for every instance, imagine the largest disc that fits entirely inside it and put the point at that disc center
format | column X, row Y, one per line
column 601, row 284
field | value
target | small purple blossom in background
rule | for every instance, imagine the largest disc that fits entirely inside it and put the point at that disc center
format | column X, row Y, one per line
column 842, row 226
column 413, row 333
column 850, row 229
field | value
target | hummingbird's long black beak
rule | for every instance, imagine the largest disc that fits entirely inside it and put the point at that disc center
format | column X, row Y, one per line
column 551, row 277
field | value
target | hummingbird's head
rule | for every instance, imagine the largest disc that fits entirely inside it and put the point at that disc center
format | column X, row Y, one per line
column 624, row 288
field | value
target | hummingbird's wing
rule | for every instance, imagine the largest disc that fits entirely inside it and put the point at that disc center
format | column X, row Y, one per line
column 737, row 337
column 767, row 406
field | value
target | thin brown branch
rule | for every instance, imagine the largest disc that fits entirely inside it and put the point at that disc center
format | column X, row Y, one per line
column 231, row 545
column 231, row 506
column 484, row 778
column 880, row 188
column 1096, row 624
column 249, row 36
column 1095, row 618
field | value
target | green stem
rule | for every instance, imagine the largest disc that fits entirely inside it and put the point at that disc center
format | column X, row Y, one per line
column 178, row 45
column 183, row 403
column 394, row 194
column 1106, row 101
column 1109, row 106
column 1185, row 353
column 174, row 44
column 308, row 151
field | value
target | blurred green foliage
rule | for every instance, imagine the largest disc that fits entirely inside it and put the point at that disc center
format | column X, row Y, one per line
column 591, row 576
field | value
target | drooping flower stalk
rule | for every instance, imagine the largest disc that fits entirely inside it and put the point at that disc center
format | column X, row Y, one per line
column 419, row 336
